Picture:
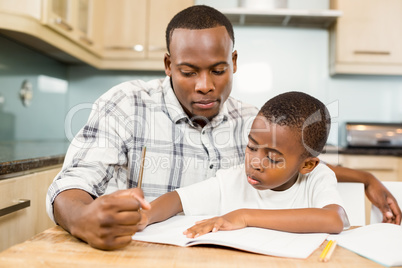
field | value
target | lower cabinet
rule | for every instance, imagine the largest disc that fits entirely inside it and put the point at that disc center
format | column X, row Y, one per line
column 25, row 194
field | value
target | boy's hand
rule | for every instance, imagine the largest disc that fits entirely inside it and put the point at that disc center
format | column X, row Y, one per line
column 144, row 221
column 231, row 221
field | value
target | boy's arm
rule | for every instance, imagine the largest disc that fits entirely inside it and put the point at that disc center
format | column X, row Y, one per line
column 329, row 219
column 162, row 209
column 375, row 191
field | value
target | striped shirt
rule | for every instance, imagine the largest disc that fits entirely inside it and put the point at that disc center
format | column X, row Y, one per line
column 105, row 155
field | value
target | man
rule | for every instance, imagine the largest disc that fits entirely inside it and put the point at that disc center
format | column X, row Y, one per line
column 189, row 124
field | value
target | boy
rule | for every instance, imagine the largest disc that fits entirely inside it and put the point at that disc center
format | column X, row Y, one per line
column 281, row 186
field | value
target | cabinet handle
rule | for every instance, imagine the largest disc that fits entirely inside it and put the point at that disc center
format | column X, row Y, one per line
column 86, row 40
column 137, row 48
column 368, row 52
column 63, row 24
column 22, row 203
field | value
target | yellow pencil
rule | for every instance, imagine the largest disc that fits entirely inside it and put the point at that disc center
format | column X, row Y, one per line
column 144, row 149
column 325, row 250
column 330, row 251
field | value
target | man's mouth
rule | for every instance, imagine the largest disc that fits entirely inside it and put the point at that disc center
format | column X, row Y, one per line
column 205, row 104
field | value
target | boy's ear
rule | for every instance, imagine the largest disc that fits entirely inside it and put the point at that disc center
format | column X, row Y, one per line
column 309, row 164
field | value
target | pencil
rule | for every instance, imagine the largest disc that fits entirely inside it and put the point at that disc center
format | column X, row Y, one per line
column 144, row 149
column 325, row 250
column 330, row 251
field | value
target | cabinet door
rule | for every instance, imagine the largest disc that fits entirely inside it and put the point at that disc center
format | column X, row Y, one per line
column 21, row 225
column 124, row 29
column 84, row 21
column 369, row 31
column 24, row 7
column 160, row 13
column 59, row 16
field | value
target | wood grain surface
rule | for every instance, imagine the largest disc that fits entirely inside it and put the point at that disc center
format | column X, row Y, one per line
column 57, row 248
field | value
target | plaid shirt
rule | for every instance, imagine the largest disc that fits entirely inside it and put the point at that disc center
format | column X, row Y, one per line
column 105, row 154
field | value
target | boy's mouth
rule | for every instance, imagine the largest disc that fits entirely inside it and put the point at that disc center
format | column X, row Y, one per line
column 252, row 181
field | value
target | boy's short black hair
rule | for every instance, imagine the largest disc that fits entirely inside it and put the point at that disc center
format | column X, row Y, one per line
column 305, row 114
column 198, row 17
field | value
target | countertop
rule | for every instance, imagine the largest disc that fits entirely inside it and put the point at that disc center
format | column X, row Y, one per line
column 363, row 151
column 22, row 156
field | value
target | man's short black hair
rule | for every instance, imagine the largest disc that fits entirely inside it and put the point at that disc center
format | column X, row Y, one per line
column 198, row 17
column 305, row 114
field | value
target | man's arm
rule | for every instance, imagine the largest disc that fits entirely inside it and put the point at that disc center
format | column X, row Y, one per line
column 376, row 192
column 329, row 219
column 107, row 222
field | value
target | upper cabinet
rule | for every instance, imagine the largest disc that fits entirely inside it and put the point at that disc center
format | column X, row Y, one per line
column 71, row 18
column 124, row 29
column 107, row 34
column 160, row 13
column 31, row 8
column 367, row 39
column 134, row 32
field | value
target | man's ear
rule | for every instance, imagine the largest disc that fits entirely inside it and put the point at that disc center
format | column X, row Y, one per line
column 309, row 164
column 168, row 62
column 234, row 60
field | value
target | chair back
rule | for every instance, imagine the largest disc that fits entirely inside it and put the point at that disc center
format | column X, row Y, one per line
column 352, row 194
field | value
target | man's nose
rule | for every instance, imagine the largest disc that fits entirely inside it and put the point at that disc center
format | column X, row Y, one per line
column 204, row 83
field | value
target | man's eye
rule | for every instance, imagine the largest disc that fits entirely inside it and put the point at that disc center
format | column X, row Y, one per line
column 219, row 72
column 187, row 74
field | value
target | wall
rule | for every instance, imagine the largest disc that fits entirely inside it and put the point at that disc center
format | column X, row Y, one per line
column 271, row 60
column 44, row 118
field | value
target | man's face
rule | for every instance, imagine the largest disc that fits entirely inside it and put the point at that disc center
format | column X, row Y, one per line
column 201, row 66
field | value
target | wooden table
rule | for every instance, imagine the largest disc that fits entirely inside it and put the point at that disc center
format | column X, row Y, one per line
column 57, row 248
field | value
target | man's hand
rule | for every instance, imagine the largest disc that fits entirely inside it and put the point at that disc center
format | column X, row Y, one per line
column 231, row 221
column 107, row 222
column 385, row 201
column 375, row 192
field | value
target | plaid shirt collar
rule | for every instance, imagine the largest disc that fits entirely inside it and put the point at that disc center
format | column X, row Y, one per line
column 175, row 111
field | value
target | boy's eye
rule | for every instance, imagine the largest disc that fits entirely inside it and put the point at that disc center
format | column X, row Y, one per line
column 251, row 148
column 273, row 158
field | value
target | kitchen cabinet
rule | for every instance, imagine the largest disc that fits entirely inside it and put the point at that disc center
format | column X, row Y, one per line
column 160, row 13
column 74, row 19
column 367, row 38
column 20, row 225
column 135, row 29
column 385, row 168
column 124, row 29
column 106, row 34
column 32, row 8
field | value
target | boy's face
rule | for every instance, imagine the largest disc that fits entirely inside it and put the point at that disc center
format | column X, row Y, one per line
column 201, row 67
column 273, row 156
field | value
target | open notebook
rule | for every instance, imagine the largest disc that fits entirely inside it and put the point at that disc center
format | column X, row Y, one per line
column 380, row 242
column 257, row 240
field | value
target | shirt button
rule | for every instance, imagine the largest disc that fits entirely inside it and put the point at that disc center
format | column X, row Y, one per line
column 211, row 166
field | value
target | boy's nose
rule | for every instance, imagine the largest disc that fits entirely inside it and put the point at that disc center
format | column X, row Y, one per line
column 256, row 164
column 204, row 83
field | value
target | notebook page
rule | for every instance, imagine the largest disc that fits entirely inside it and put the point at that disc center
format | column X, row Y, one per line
column 258, row 240
column 380, row 242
